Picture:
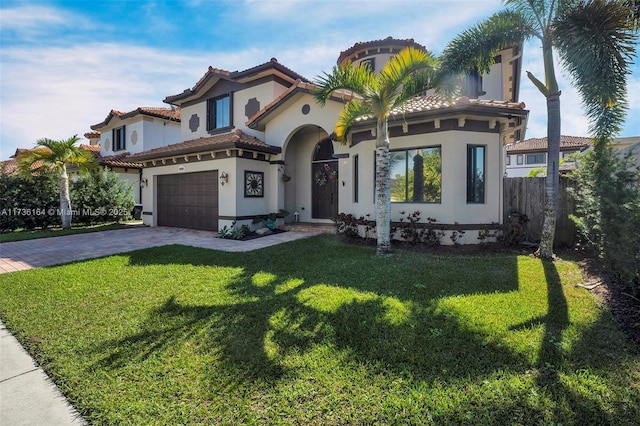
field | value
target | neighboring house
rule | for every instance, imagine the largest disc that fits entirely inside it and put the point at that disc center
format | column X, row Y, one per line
column 531, row 154
column 122, row 134
column 244, row 129
column 632, row 148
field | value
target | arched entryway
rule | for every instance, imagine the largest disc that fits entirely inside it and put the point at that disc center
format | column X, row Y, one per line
column 324, row 185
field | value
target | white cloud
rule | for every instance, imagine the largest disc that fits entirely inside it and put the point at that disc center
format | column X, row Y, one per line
column 30, row 20
column 58, row 92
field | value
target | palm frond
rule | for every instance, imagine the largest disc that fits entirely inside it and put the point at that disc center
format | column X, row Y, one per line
column 405, row 75
column 419, row 83
column 36, row 161
column 474, row 50
column 348, row 77
column 353, row 110
column 50, row 156
column 597, row 45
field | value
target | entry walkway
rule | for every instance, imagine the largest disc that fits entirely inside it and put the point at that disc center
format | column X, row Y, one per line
column 27, row 395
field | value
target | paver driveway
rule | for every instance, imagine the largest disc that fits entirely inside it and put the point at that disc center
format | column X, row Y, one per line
column 19, row 255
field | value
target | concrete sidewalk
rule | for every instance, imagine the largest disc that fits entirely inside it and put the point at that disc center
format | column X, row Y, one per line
column 27, row 395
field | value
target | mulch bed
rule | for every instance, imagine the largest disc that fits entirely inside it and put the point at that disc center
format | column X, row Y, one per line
column 254, row 235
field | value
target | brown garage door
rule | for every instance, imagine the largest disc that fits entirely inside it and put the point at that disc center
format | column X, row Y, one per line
column 188, row 200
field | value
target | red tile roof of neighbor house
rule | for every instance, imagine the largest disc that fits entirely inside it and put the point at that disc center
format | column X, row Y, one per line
column 540, row 144
column 9, row 167
column 378, row 43
column 236, row 139
column 171, row 114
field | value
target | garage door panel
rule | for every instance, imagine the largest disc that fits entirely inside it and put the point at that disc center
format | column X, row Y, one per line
column 188, row 200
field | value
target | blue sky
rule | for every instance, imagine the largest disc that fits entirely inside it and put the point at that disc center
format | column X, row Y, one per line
column 65, row 64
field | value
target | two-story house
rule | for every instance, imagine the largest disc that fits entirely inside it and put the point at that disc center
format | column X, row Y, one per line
column 531, row 154
column 122, row 134
column 243, row 130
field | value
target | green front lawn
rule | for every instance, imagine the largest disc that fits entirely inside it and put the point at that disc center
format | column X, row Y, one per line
column 319, row 332
column 33, row 234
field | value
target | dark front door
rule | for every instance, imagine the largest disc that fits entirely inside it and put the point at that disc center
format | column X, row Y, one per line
column 188, row 200
column 324, row 190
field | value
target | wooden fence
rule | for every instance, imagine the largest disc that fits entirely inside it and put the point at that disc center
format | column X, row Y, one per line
column 526, row 195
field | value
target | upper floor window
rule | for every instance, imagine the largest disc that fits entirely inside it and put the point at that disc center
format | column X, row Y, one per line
column 508, row 160
column 118, row 138
column 535, row 159
column 475, row 173
column 370, row 62
column 219, row 112
column 416, row 175
column 519, row 159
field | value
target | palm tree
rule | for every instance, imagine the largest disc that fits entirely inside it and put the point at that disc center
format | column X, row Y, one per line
column 595, row 41
column 50, row 156
column 407, row 74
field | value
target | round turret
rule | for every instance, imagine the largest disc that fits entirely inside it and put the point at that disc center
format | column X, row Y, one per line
column 377, row 52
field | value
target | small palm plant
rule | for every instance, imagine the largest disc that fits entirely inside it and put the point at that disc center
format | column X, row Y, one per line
column 407, row 74
column 51, row 156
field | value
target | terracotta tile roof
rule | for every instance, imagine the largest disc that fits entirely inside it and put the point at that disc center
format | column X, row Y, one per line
column 9, row 167
column 389, row 41
column 92, row 135
column 540, row 144
column 273, row 63
column 171, row 114
column 236, row 139
column 298, row 86
column 92, row 148
column 234, row 76
column 421, row 104
column 119, row 160
column 19, row 151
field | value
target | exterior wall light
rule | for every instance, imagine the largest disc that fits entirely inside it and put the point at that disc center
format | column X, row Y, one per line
column 224, row 178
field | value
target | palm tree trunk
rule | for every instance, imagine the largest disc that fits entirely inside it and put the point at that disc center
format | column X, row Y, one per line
column 65, row 200
column 383, row 190
column 552, row 181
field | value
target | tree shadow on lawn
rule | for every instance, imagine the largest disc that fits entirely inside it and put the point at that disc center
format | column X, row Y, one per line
column 556, row 360
column 388, row 325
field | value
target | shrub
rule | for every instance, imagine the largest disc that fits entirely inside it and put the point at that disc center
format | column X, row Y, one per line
column 28, row 204
column 608, row 212
column 415, row 232
column 101, row 197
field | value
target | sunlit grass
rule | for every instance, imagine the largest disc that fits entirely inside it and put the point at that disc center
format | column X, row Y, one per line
column 318, row 332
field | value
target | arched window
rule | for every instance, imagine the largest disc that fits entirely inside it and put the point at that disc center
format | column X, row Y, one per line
column 323, row 151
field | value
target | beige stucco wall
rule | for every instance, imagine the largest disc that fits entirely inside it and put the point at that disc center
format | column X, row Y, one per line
column 149, row 201
column 453, row 206
column 298, row 135
column 264, row 93
column 150, row 133
column 231, row 199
